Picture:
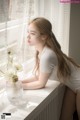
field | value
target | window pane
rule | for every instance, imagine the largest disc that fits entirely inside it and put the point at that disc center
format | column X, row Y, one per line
column 15, row 9
column 4, row 8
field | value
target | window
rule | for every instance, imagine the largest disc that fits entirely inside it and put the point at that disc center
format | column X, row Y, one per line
column 14, row 16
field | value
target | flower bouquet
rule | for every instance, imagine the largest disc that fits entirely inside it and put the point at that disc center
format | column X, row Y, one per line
column 14, row 88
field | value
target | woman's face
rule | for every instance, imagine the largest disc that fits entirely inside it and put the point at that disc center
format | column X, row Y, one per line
column 33, row 35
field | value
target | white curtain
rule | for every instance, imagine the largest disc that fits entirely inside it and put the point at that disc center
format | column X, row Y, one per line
column 15, row 15
column 23, row 9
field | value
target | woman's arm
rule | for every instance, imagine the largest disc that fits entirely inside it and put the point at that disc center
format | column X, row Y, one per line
column 31, row 79
column 46, row 66
column 37, row 84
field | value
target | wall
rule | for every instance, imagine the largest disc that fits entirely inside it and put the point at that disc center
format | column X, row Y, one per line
column 74, row 37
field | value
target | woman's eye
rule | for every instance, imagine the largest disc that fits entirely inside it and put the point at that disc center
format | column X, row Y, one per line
column 32, row 33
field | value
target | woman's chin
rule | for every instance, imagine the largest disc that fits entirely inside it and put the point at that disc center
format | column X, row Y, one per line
column 30, row 44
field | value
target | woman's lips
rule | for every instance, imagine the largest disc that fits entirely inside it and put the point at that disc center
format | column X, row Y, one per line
column 29, row 41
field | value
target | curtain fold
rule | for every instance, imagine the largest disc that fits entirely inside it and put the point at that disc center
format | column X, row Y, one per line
column 15, row 15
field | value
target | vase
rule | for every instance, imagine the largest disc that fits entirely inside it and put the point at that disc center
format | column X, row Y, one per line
column 15, row 93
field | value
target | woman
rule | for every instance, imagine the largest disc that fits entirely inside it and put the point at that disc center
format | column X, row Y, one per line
column 52, row 63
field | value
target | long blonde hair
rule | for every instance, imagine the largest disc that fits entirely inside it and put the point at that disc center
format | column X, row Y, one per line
column 45, row 28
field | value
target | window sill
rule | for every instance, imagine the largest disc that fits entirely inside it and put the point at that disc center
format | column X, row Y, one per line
column 37, row 100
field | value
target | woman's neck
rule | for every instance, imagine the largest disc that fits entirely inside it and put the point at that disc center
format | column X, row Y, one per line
column 39, row 48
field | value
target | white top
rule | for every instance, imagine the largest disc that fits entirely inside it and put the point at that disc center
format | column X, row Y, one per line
column 49, row 64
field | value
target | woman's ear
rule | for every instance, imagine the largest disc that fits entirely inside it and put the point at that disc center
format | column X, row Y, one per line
column 44, row 37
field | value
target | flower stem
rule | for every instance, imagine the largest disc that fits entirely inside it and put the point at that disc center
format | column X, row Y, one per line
column 2, row 72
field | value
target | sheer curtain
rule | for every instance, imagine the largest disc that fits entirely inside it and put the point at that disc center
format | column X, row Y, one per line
column 25, row 10
column 15, row 15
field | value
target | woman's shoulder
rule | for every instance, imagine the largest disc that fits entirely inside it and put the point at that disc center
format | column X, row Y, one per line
column 49, row 55
column 48, row 52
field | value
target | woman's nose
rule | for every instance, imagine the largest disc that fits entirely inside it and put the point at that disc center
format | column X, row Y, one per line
column 28, row 35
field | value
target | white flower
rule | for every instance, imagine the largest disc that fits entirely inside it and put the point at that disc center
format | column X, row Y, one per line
column 12, row 68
